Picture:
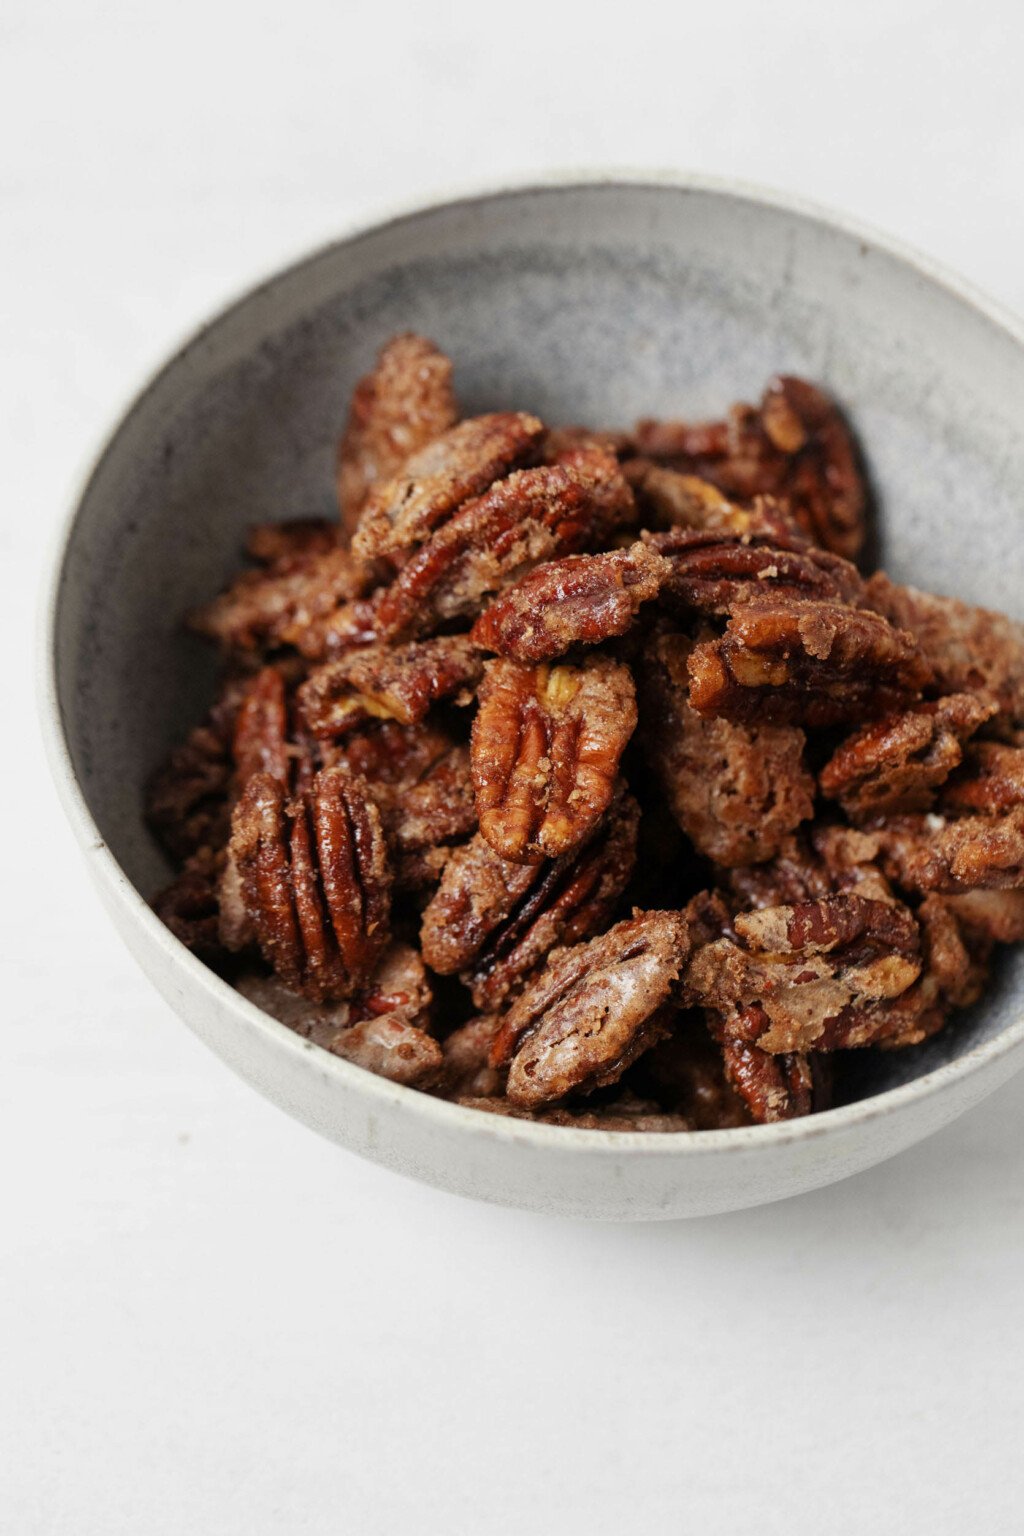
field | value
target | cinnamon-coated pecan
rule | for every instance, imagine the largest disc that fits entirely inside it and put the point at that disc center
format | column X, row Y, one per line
column 315, row 881
column 997, row 916
column 796, row 447
column 190, row 905
column 591, row 458
column 897, row 763
column 714, row 571
column 187, row 798
column 593, row 1009
column 669, row 500
column 264, row 609
column 389, row 683
column 736, row 790
column 580, row 600
column 772, row 1087
column 991, row 779
column 806, row 662
column 260, row 739
column 798, row 978
column 403, row 404
column 545, row 752
column 971, row 650
column 496, row 921
column 818, row 861
column 931, row 852
column 404, row 511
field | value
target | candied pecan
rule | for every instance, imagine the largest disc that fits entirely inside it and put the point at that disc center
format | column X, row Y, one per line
column 289, row 544
column 897, row 763
column 467, row 1066
column 187, row 804
column 267, row 608
column 929, row 852
column 953, row 974
column 190, row 905
column 736, row 790
column 580, row 600
column 991, row 780
column 403, row 404
column 772, row 1087
column 545, row 752
column 389, row 683
column 260, row 739
column 685, row 1073
column 805, row 662
column 990, row 915
column 496, row 921
column 592, row 460
column 796, row 447
column 493, row 540
column 713, row 571
column 388, row 1041
column 970, row 649
column 404, row 511
column 315, row 880
column 796, row 978
column 593, row 1010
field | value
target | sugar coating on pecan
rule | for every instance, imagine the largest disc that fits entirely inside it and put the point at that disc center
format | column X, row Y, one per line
column 389, row 683
column 315, row 881
column 996, row 916
column 405, row 402
column 593, row 461
column 932, row 852
column 496, row 921
column 773, row 1088
column 593, row 1010
column 190, row 905
column 897, row 763
column 990, row 780
column 795, row 447
column 804, row 977
column 264, row 609
column 578, row 601
column 712, row 571
column 970, row 649
column 736, row 790
column 260, row 738
column 812, row 663
column 546, row 746
column 402, row 512
column 187, row 798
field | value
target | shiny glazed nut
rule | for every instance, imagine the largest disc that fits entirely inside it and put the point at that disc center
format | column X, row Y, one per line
column 772, row 1087
column 389, row 683
column 545, row 752
column 712, row 572
column 265, row 609
column 593, row 1010
column 315, row 881
column 580, row 600
column 403, row 404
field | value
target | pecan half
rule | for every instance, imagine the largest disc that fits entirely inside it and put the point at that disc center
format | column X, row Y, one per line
column 260, row 739
column 389, row 683
column 712, row 572
column 969, row 649
column 897, row 763
column 592, row 1010
column 929, row 852
column 404, row 511
column 736, row 790
column 806, row 662
column 315, row 881
column 190, row 905
column 187, row 798
column 403, row 404
column 580, row 600
column 817, row 862
column 264, row 609
column 808, row 976
column 772, row 1087
column 496, row 921
column 991, row 779
column 545, row 752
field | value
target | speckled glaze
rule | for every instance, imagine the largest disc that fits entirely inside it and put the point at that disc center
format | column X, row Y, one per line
column 585, row 300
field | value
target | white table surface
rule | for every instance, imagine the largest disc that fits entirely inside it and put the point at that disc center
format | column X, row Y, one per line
column 211, row 1321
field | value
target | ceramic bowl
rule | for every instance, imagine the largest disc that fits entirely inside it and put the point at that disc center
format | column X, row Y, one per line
column 585, row 300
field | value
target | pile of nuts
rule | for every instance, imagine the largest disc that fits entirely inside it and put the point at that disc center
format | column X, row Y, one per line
column 582, row 777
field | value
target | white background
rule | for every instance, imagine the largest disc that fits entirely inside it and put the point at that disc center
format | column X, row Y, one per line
column 213, row 1322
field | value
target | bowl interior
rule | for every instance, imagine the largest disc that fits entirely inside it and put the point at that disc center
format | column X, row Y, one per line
column 596, row 303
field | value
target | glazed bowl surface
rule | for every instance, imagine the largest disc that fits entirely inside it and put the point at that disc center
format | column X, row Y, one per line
column 595, row 300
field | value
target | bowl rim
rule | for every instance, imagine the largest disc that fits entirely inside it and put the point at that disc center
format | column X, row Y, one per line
column 120, row 892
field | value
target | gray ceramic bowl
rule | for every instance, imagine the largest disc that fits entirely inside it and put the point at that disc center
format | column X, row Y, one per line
column 584, row 300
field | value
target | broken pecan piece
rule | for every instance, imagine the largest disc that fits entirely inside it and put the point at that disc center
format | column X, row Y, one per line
column 403, row 512
column 897, row 763
column 805, row 662
column 545, row 752
column 315, row 881
column 403, row 404
column 389, row 683
column 592, row 1010
column 736, row 790
column 580, row 600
